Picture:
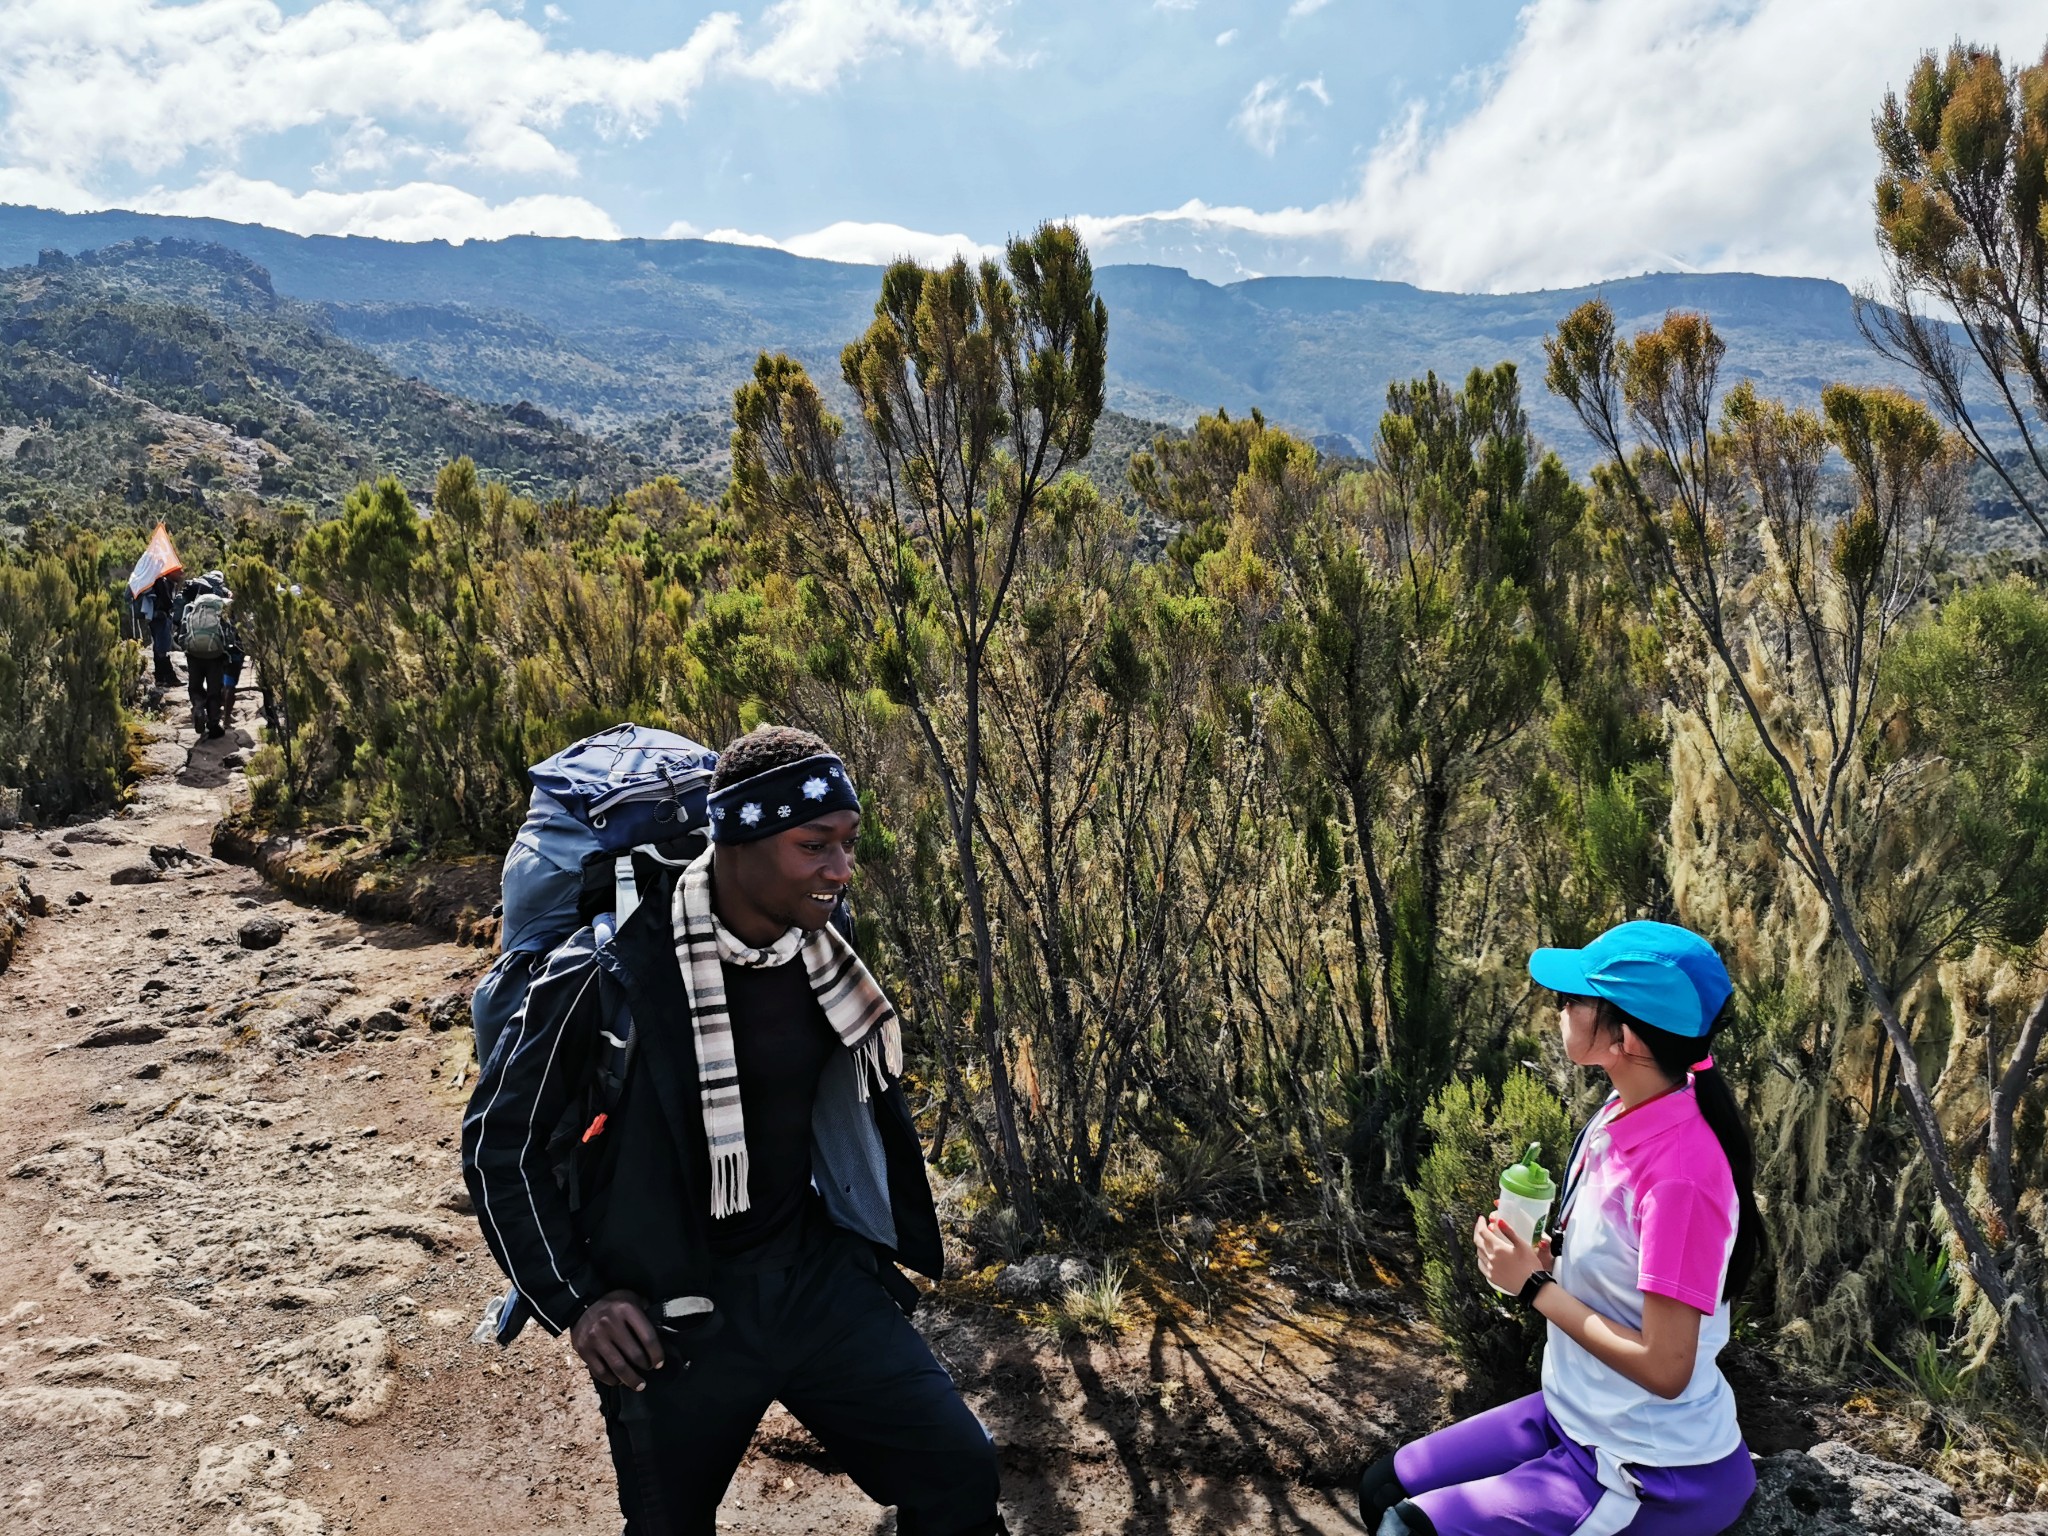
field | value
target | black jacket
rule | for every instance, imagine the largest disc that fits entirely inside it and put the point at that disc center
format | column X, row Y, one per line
column 639, row 1216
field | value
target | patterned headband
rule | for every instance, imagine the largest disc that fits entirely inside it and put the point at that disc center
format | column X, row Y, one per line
column 780, row 798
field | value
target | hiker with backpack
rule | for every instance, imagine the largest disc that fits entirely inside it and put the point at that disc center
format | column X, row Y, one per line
column 209, row 642
column 689, row 1146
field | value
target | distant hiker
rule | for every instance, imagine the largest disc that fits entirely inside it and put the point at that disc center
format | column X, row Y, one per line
column 209, row 640
column 158, row 604
column 217, row 583
column 726, row 1234
column 1634, row 1430
column 152, row 586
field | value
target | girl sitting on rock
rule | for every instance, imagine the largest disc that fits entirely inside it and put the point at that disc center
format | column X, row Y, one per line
column 1634, row 1430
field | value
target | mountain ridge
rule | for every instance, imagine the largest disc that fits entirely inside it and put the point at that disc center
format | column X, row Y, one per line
column 615, row 336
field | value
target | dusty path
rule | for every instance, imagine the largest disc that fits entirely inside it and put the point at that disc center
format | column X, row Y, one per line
column 237, row 1276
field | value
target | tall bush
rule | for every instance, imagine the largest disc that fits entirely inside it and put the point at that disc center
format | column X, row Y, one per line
column 1474, row 1135
column 65, row 676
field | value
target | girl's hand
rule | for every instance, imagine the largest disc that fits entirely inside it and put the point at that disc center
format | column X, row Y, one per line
column 1504, row 1259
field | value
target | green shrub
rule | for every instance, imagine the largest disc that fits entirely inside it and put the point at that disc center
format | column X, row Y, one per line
column 1474, row 1136
column 65, row 676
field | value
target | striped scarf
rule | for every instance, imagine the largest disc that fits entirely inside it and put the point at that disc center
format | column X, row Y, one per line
column 848, row 992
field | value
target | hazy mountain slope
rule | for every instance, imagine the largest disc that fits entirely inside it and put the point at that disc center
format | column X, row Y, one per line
column 1319, row 353
column 617, row 331
column 152, row 369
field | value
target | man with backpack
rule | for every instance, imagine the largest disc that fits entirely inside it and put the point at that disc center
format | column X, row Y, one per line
column 690, row 1150
column 209, row 639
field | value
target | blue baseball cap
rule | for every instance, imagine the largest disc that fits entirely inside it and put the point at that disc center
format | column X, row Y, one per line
column 1667, row 976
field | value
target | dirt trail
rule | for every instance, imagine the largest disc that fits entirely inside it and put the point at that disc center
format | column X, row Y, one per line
column 238, row 1276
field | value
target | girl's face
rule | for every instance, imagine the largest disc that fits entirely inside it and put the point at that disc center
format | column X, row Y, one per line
column 1585, row 1042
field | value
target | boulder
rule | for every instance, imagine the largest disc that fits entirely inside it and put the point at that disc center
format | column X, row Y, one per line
column 1837, row 1490
column 1032, row 1279
column 261, row 932
column 135, row 874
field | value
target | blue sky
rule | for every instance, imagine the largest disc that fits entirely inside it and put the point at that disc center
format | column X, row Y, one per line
column 1475, row 145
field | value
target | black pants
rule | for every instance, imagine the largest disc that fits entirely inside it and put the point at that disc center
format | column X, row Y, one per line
column 209, row 694
column 827, row 1341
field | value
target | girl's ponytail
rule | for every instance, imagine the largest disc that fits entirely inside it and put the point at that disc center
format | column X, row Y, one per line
column 1724, row 1117
column 1677, row 1055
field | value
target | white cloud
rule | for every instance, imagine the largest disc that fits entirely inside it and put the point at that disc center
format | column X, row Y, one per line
column 813, row 42
column 1263, row 115
column 1625, row 135
column 1616, row 136
column 1306, row 7
column 419, row 210
column 866, row 244
column 1269, row 110
column 148, row 84
column 1226, row 37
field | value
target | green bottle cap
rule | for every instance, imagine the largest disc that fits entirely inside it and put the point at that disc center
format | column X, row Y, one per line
column 1529, row 1178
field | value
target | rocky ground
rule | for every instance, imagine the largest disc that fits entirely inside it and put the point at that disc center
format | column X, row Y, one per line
column 238, row 1276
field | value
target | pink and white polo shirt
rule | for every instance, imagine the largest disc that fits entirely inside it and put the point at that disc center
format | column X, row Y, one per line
column 1650, row 1207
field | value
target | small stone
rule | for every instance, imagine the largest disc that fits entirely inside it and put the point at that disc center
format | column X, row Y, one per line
column 74, row 1010
column 38, row 905
column 367, row 1132
column 383, row 1022
column 400, row 1005
column 60, row 850
column 135, row 874
column 247, row 903
column 260, row 933
column 448, row 1011
column 150, row 1071
column 159, row 933
column 77, row 899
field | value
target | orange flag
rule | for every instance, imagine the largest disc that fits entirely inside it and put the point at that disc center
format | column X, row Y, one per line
column 159, row 560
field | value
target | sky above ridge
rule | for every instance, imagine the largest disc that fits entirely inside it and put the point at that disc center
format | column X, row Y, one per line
column 1478, row 144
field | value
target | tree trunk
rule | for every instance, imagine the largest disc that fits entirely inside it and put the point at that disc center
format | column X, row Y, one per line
column 2005, row 1099
column 1023, row 1198
column 2016, row 1309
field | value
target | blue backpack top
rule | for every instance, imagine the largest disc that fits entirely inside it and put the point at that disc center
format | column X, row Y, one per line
column 624, row 788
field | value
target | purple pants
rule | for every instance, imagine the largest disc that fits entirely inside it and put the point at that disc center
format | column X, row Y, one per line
column 1512, row 1472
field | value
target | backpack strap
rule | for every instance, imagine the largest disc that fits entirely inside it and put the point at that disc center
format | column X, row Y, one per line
column 625, row 889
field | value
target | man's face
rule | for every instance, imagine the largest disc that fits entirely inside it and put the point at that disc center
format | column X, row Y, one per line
column 797, row 877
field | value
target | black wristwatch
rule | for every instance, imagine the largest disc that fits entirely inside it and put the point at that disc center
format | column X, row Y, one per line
column 1527, row 1295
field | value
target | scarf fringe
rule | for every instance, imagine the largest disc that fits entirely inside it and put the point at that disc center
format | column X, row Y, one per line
column 729, row 1171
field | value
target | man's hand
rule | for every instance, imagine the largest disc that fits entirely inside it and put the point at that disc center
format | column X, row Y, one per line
column 1504, row 1259
column 617, row 1342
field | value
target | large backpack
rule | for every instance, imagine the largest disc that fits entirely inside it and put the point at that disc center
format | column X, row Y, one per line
column 593, row 803
column 206, row 628
column 626, row 793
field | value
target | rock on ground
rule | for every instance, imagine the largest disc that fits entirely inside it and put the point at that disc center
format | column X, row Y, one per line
column 1836, row 1490
column 264, row 932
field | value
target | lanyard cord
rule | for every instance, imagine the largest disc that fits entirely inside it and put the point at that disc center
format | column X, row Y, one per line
column 1573, row 1170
